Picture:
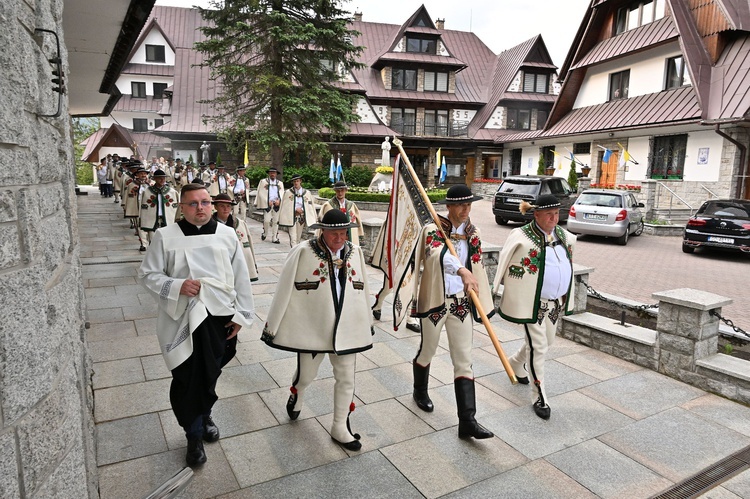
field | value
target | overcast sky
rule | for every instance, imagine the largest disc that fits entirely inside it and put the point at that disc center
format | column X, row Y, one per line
column 500, row 24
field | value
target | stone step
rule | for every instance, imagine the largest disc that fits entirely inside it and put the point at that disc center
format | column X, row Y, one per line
column 726, row 364
column 606, row 325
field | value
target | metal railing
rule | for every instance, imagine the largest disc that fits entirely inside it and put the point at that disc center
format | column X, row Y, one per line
column 711, row 193
column 672, row 196
column 422, row 128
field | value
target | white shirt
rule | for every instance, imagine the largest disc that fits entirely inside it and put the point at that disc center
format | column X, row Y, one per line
column 273, row 190
column 451, row 264
column 239, row 186
column 298, row 199
column 335, row 255
column 557, row 269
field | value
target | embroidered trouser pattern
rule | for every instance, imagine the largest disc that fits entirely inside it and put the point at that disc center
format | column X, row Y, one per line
column 271, row 223
column 459, row 327
column 380, row 300
column 343, row 387
column 539, row 336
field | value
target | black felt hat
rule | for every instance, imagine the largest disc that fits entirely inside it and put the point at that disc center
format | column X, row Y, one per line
column 158, row 173
column 334, row 219
column 340, row 185
column 460, row 193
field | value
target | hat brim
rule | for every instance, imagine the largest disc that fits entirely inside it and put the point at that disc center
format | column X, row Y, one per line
column 223, row 201
column 471, row 199
column 322, row 226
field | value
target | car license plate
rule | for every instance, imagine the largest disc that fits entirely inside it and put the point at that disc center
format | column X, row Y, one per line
column 513, row 200
column 594, row 216
column 723, row 240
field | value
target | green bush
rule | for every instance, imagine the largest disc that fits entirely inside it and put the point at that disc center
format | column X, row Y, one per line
column 540, row 166
column 84, row 173
column 359, row 176
column 378, row 197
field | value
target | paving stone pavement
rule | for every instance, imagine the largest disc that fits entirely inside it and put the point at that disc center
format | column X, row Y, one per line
column 616, row 430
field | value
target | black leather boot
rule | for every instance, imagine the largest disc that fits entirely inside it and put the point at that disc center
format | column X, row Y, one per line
column 210, row 430
column 195, row 454
column 421, row 380
column 467, row 408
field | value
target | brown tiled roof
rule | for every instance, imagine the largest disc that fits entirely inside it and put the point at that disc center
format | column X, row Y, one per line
column 729, row 97
column 370, row 130
column 506, row 67
column 149, row 69
column 672, row 107
column 419, row 57
column 528, row 97
column 129, row 103
column 737, row 13
column 629, row 42
column 101, row 136
column 516, row 136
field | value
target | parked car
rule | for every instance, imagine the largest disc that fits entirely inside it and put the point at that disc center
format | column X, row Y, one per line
column 606, row 212
column 517, row 188
column 719, row 223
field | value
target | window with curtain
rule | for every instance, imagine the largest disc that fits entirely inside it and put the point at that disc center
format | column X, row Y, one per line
column 668, row 156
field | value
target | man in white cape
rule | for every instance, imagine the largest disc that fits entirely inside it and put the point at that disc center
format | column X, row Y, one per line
column 196, row 270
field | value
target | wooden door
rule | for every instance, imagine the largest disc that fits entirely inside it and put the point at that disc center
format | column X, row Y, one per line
column 469, row 171
column 608, row 170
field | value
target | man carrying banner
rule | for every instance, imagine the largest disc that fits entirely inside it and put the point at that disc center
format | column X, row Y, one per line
column 443, row 300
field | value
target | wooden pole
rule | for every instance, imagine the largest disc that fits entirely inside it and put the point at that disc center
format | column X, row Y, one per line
column 449, row 244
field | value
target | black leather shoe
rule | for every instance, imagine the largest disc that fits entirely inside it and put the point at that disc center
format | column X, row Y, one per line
column 413, row 327
column 523, row 381
column 469, row 429
column 210, row 430
column 142, row 248
column 262, row 237
column 290, row 407
column 277, row 242
column 543, row 411
column 423, row 401
column 195, row 454
column 353, row 445
column 376, row 314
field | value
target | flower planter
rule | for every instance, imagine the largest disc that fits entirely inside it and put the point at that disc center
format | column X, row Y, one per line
column 585, row 171
column 549, row 171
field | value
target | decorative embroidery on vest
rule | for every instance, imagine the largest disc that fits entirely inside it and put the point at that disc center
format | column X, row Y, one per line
column 266, row 335
column 307, row 285
column 531, row 262
column 516, row 271
column 358, row 285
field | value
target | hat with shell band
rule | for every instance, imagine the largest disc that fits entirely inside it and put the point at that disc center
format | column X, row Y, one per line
column 334, row 219
column 459, row 194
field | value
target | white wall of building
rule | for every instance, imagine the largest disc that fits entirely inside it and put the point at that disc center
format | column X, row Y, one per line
column 647, row 75
column 709, row 170
column 638, row 149
column 126, row 119
column 365, row 112
column 124, row 81
column 154, row 37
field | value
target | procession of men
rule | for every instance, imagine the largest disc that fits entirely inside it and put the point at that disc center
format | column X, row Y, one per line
column 187, row 220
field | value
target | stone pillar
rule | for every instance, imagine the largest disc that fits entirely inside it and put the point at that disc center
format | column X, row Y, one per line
column 648, row 196
column 372, row 228
column 431, row 168
column 686, row 332
column 583, row 184
column 580, row 293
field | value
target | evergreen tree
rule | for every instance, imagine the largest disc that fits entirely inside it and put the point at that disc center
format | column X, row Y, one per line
column 277, row 63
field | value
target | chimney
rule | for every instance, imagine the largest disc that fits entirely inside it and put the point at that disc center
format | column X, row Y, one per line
column 357, row 16
column 440, row 24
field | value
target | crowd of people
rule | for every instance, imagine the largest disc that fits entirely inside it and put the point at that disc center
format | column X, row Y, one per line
column 199, row 264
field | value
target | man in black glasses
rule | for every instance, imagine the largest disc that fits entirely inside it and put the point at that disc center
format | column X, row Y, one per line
column 196, row 270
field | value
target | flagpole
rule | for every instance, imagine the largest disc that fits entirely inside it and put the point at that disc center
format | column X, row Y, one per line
column 474, row 298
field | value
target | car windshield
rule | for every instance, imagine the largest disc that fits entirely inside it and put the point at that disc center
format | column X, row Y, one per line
column 518, row 188
column 600, row 199
column 726, row 209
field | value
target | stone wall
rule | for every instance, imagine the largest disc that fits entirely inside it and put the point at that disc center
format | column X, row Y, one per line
column 46, row 404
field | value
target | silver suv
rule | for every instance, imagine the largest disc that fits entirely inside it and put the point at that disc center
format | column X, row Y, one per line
column 517, row 188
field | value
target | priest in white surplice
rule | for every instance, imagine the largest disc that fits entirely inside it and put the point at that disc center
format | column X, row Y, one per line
column 196, row 270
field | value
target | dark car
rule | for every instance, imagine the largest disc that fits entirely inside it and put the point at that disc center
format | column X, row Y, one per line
column 517, row 188
column 719, row 223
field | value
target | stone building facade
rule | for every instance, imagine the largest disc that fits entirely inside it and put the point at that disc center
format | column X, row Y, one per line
column 46, row 404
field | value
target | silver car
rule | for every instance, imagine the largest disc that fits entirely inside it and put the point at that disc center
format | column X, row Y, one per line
column 606, row 212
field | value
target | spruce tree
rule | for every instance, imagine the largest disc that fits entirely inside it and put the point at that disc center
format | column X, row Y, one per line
column 276, row 63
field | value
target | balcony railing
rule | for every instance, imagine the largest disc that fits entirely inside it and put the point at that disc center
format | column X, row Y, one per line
column 420, row 128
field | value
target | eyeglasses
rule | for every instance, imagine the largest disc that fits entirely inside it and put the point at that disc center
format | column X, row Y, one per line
column 194, row 204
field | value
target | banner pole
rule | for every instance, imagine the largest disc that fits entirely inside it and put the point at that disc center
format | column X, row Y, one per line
column 474, row 298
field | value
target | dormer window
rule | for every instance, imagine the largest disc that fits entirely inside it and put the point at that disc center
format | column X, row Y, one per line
column 637, row 14
column 536, row 83
column 421, row 45
column 155, row 53
column 677, row 73
column 404, row 79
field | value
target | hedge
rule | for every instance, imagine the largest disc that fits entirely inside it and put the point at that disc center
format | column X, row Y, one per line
column 378, row 197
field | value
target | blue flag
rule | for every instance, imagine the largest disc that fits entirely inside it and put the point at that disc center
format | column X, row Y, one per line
column 607, row 154
column 443, row 171
column 339, row 170
column 332, row 171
